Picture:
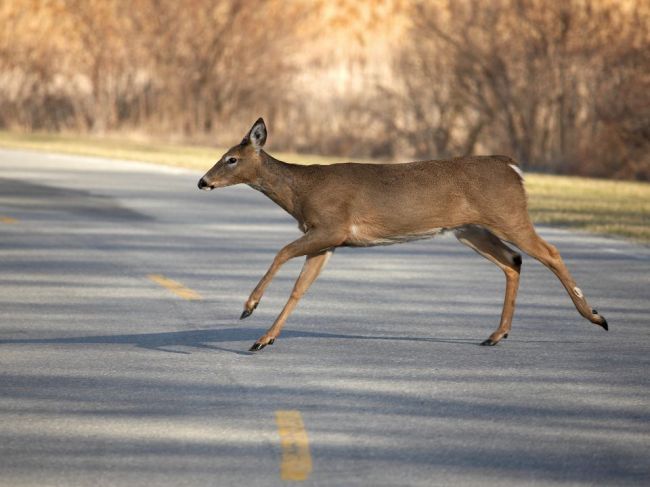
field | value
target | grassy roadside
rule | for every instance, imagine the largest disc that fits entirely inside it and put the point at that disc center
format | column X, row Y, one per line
column 189, row 156
column 618, row 208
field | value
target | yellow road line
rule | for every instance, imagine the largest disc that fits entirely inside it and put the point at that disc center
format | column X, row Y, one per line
column 8, row 219
column 296, row 459
column 175, row 287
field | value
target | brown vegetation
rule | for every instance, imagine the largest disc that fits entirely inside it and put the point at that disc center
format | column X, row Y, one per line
column 561, row 86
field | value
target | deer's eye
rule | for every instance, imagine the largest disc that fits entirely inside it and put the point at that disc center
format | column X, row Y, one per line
column 231, row 161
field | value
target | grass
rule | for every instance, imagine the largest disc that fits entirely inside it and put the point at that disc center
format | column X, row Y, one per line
column 178, row 155
column 618, row 208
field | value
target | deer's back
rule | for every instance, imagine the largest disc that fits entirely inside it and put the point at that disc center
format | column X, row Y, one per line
column 417, row 198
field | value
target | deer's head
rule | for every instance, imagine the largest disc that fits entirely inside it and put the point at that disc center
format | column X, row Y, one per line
column 240, row 164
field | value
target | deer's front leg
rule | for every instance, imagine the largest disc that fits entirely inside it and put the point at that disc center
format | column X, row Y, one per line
column 312, row 268
column 311, row 243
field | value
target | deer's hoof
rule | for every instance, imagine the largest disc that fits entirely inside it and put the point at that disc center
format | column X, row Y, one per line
column 261, row 343
column 257, row 346
column 488, row 343
column 248, row 311
column 602, row 322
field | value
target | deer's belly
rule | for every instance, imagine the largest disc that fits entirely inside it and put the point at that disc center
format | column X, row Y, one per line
column 359, row 236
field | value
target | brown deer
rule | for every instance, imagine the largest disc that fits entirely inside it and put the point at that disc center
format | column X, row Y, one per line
column 481, row 199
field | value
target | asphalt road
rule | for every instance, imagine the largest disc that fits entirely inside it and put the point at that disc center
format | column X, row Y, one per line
column 110, row 378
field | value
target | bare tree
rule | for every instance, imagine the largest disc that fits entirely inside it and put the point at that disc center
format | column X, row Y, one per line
column 423, row 111
column 533, row 70
column 561, row 86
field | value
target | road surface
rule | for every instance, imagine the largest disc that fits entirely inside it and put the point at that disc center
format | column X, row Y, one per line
column 123, row 361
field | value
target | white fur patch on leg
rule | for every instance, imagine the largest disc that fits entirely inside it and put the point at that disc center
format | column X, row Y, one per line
column 578, row 292
column 518, row 171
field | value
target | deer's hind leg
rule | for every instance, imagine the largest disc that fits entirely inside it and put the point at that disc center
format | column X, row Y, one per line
column 547, row 254
column 492, row 248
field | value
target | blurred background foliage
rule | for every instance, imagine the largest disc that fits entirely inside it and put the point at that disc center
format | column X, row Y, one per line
column 562, row 86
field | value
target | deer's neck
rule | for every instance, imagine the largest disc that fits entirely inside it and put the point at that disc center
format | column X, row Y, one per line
column 278, row 180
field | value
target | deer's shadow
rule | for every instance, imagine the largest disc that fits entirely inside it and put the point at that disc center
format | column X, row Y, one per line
column 213, row 338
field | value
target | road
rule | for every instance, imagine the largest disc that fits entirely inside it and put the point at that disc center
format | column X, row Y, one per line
column 110, row 377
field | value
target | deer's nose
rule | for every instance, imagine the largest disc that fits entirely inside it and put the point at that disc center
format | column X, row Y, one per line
column 203, row 184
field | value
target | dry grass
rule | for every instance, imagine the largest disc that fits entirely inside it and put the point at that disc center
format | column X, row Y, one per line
column 619, row 208
column 188, row 156
column 601, row 206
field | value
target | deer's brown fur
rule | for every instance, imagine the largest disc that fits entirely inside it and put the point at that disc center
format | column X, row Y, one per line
column 481, row 198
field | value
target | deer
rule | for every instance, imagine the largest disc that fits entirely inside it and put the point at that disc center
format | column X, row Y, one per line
column 481, row 199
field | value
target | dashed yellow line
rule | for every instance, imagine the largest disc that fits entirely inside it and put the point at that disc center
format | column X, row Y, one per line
column 175, row 287
column 296, row 459
column 7, row 219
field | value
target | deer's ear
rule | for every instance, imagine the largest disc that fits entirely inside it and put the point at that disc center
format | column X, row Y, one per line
column 256, row 135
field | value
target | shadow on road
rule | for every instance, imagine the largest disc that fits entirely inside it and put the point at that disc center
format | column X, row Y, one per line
column 21, row 194
column 207, row 338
